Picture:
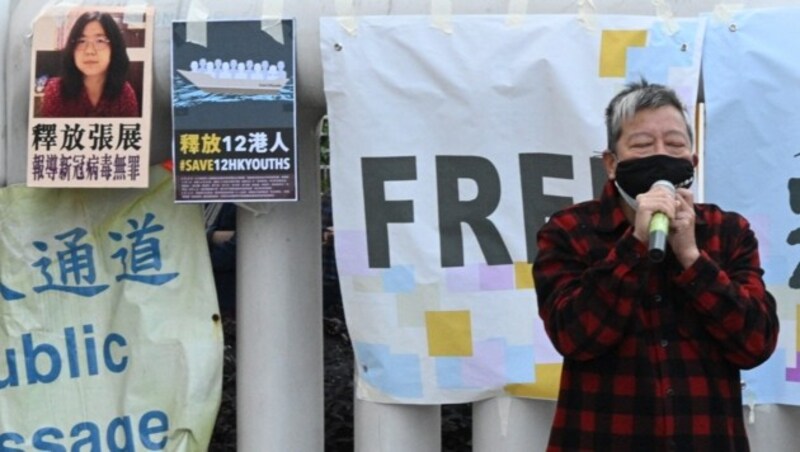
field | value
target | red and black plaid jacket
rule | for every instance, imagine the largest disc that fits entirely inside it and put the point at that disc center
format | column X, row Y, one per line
column 652, row 352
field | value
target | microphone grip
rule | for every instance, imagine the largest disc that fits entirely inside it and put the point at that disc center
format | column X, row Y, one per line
column 659, row 226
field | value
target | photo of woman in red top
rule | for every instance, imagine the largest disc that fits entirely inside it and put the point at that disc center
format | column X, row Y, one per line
column 93, row 73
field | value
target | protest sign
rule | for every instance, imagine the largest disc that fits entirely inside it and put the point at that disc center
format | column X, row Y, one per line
column 752, row 166
column 111, row 334
column 234, row 112
column 90, row 108
column 450, row 146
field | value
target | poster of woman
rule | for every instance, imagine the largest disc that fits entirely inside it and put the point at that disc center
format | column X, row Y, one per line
column 90, row 97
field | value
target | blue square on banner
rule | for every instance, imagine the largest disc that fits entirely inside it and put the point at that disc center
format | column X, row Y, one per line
column 396, row 375
column 762, row 387
column 399, row 279
column 519, row 364
column 448, row 373
column 651, row 63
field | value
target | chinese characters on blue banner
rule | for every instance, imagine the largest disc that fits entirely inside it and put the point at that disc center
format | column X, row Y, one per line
column 67, row 262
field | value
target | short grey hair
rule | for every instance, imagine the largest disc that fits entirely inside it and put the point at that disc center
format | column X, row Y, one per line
column 639, row 96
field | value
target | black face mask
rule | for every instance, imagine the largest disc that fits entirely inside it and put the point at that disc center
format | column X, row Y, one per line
column 636, row 176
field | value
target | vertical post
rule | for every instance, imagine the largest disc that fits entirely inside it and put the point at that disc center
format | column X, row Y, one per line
column 279, row 313
column 397, row 428
column 5, row 13
column 511, row 424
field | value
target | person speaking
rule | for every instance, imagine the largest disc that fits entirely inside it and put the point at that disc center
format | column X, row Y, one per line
column 93, row 73
column 652, row 348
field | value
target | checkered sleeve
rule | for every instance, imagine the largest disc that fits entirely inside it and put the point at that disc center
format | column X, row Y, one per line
column 727, row 289
column 586, row 301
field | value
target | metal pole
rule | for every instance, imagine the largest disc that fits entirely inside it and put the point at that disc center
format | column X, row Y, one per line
column 279, row 314
column 511, row 424
column 16, row 55
column 5, row 12
column 397, row 428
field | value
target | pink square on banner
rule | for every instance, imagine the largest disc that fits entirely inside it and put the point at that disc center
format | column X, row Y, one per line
column 497, row 277
column 462, row 279
column 793, row 373
column 351, row 253
column 487, row 367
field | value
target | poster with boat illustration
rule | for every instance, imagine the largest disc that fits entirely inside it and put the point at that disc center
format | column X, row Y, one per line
column 234, row 110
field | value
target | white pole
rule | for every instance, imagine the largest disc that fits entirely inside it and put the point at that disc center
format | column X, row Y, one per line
column 397, row 428
column 5, row 12
column 511, row 424
column 279, row 314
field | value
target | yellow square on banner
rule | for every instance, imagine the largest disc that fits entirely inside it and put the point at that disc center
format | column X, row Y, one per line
column 548, row 382
column 797, row 335
column 449, row 333
column 523, row 275
column 614, row 50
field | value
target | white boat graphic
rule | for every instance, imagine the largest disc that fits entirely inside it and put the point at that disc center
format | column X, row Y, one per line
column 212, row 84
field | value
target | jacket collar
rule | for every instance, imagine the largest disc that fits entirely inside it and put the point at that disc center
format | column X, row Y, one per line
column 612, row 216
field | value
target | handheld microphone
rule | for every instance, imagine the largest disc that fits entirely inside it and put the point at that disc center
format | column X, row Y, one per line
column 659, row 227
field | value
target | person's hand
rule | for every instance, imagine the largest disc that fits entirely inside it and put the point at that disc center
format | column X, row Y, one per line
column 681, row 236
column 658, row 199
